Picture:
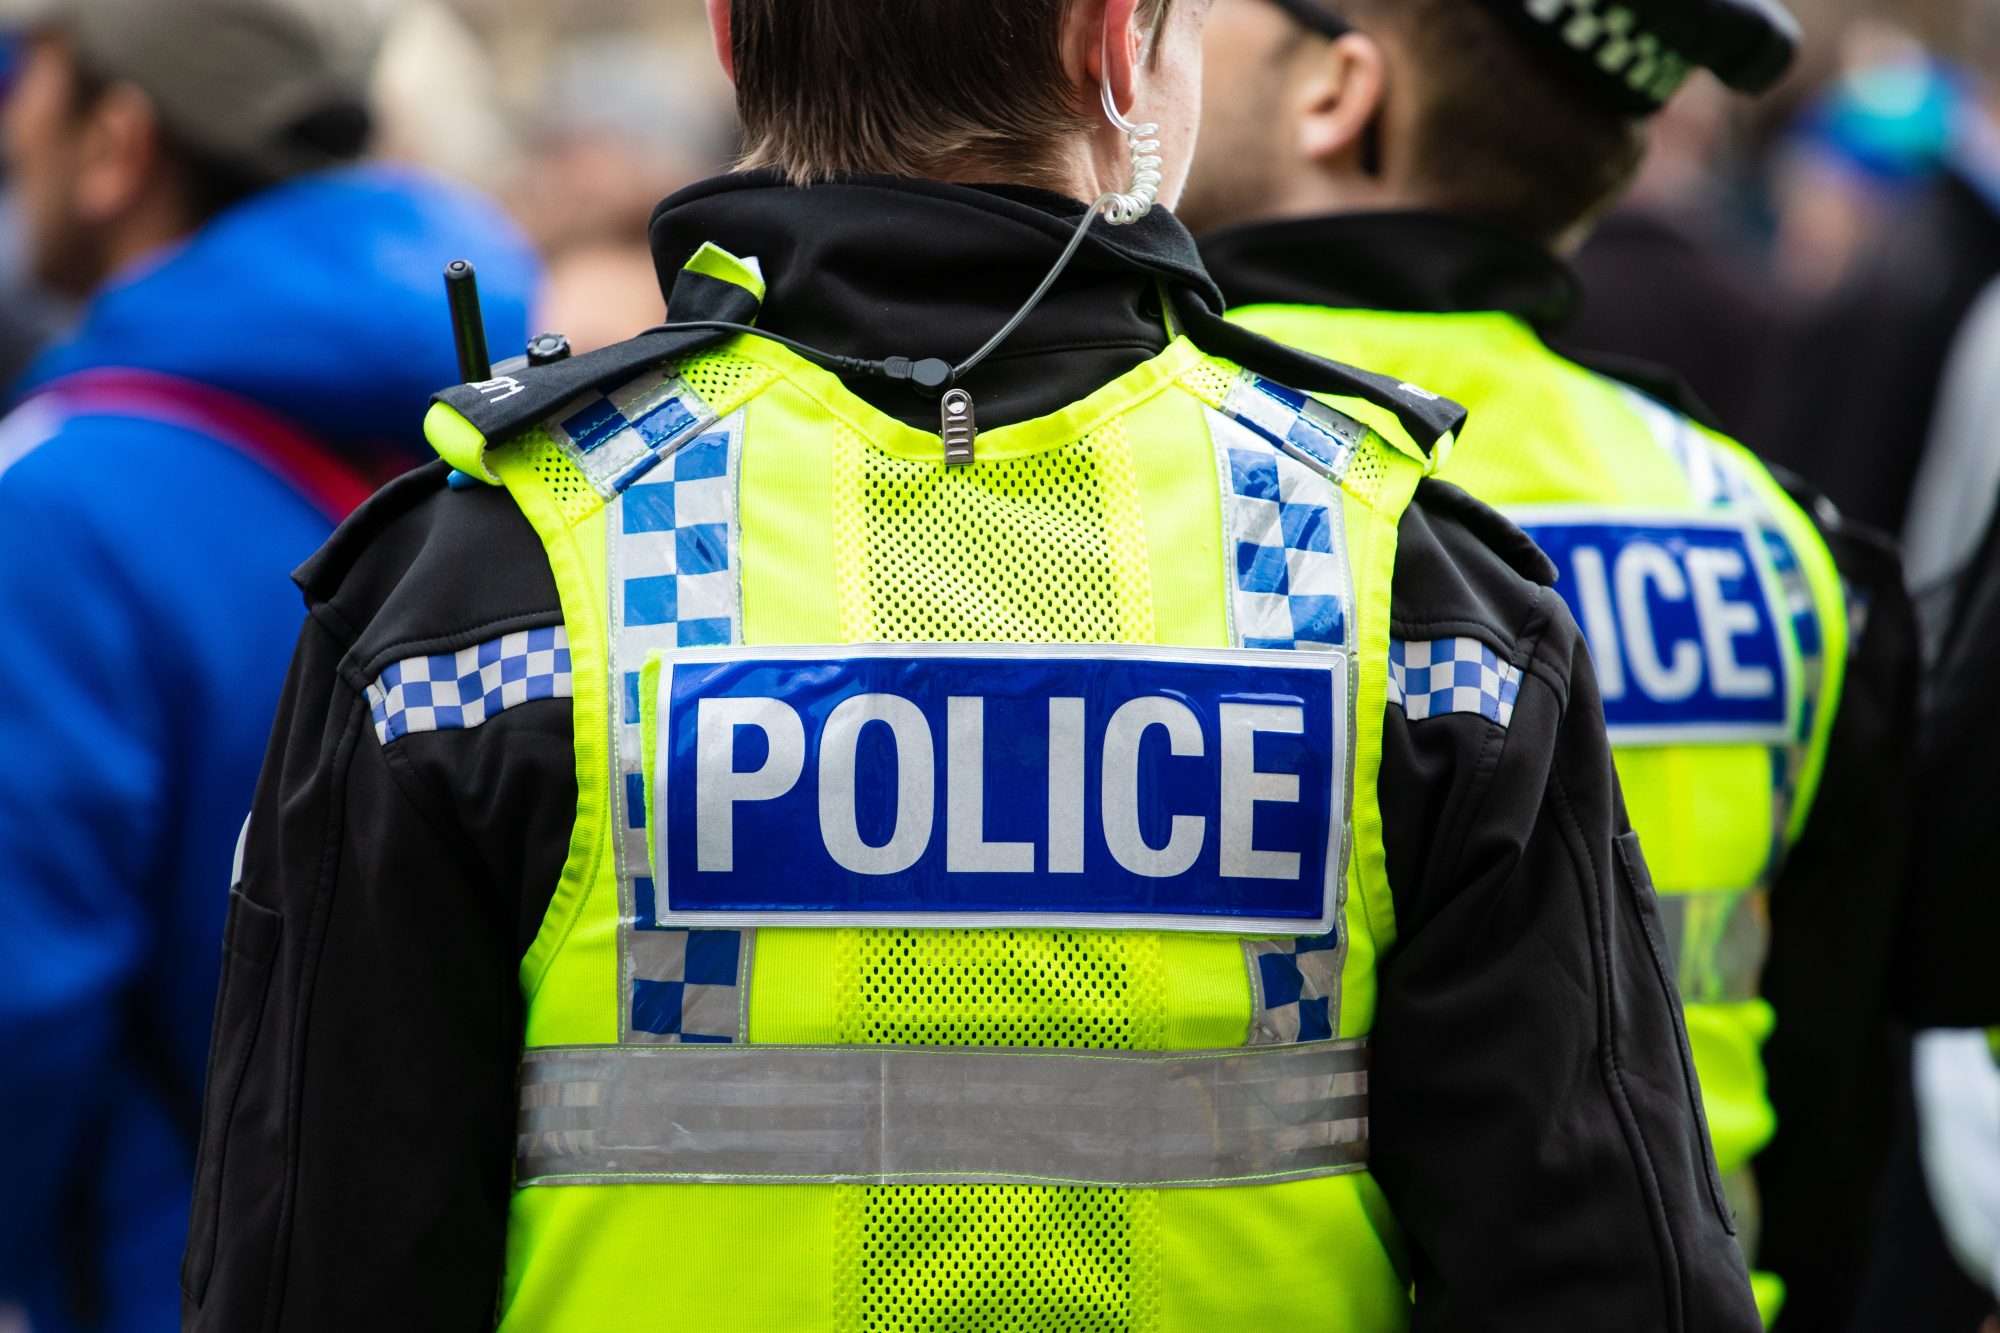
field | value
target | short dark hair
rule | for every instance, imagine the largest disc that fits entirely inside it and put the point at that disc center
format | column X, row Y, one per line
column 904, row 87
column 1504, row 133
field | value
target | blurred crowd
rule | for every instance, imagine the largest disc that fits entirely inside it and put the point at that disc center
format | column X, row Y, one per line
column 1819, row 266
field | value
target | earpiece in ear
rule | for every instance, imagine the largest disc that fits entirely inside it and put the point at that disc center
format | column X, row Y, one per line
column 1122, row 210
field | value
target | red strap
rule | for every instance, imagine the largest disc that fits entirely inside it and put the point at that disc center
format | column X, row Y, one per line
column 328, row 482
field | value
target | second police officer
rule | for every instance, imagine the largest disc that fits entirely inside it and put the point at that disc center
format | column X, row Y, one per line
column 754, row 841
column 1395, row 182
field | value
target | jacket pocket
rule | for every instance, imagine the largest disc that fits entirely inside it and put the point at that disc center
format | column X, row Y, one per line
column 250, row 947
column 1638, row 884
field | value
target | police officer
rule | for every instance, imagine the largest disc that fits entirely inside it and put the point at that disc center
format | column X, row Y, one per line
column 1395, row 181
column 768, row 834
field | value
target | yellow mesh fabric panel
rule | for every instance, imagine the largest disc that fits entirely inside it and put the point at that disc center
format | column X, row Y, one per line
column 1209, row 381
column 723, row 379
column 1078, row 989
column 574, row 497
column 997, row 1259
column 1369, row 470
column 1045, row 548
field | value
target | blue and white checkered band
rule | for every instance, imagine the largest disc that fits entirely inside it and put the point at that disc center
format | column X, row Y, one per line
column 616, row 438
column 1438, row 677
column 1718, row 482
column 1297, row 422
column 1295, row 989
column 461, row 690
column 674, row 571
column 1609, row 34
column 1282, row 456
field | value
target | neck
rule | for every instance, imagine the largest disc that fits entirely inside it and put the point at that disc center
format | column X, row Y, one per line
column 1084, row 168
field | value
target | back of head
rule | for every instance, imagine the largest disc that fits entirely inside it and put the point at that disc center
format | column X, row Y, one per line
column 1527, row 114
column 916, row 88
column 260, row 89
column 1502, row 132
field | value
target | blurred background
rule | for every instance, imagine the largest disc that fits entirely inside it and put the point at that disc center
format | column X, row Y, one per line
column 1752, row 217
column 1805, row 262
column 581, row 116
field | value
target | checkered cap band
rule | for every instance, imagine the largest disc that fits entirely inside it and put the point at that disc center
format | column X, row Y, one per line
column 1615, row 44
column 1434, row 677
column 457, row 691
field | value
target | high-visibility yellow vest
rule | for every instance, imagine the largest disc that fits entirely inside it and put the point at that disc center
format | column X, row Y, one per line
column 791, row 1061
column 1718, row 630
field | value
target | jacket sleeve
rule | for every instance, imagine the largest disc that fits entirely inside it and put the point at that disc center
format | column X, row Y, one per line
column 1536, row 1124
column 82, row 740
column 357, row 1140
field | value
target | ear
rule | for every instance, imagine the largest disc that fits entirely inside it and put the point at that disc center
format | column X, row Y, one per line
column 1116, row 62
column 1340, row 99
column 718, row 26
column 120, row 154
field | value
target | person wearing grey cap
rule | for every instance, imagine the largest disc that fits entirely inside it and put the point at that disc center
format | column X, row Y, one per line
column 263, row 321
column 1397, row 182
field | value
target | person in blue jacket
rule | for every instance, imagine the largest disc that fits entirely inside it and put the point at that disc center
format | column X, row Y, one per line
column 265, row 324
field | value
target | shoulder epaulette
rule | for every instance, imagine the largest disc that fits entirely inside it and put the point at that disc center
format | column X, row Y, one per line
column 526, row 396
column 510, row 403
column 1500, row 534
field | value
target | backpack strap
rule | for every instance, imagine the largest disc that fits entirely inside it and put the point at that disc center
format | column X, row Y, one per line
column 331, row 484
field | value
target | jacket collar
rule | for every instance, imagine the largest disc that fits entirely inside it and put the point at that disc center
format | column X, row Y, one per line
column 1430, row 263
column 873, row 267
column 878, row 266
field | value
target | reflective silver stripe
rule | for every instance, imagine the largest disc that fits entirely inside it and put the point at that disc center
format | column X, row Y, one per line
column 1719, row 941
column 887, row 1115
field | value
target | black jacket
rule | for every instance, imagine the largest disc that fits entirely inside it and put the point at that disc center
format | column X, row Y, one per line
column 1842, row 954
column 1666, row 286
column 1852, row 387
column 1535, row 1123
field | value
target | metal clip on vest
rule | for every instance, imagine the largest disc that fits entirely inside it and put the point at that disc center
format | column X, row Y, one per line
column 959, row 428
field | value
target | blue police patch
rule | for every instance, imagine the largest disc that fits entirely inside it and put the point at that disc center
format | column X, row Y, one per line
column 1682, row 624
column 961, row 785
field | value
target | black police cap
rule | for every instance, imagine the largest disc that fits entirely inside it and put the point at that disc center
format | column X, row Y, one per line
column 1639, row 52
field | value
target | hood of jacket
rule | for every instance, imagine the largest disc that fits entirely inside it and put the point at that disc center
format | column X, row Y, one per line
column 321, row 299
